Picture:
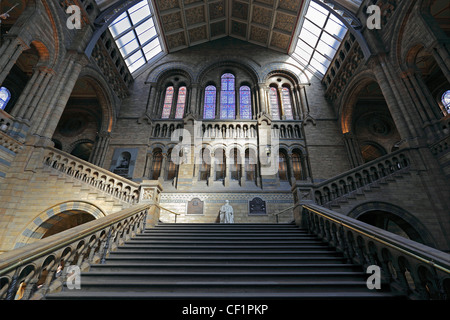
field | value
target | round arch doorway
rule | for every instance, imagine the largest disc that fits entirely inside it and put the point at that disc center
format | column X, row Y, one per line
column 392, row 223
column 66, row 220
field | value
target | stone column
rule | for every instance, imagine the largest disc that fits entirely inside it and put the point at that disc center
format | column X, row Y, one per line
column 151, row 100
column 99, row 152
column 212, row 170
column 353, row 149
column 31, row 94
column 254, row 102
column 400, row 114
column 262, row 99
column 442, row 57
column 10, row 55
column 193, row 106
column 162, row 173
column 63, row 97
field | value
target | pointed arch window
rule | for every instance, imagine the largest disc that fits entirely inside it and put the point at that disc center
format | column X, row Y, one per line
column 5, row 95
column 181, row 103
column 274, row 107
column 245, row 102
column 209, row 109
column 287, row 106
column 227, row 97
column 167, row 108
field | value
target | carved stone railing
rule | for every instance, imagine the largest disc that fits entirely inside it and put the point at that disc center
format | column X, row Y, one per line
column 99, row 178
column 355, row 180
column 407, row 267
column 40, row 268
column 10, row 143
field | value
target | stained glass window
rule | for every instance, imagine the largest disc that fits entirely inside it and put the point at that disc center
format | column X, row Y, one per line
column 167, row 103
column 5, row 95
column 227, row 97
column 181, row 102
column 446, row 100
column 274, row 108
column 287, row 107
column 209, row 111
column 245, row 102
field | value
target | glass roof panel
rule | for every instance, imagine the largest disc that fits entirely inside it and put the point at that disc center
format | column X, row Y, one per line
column 319, row 38
column 136, row 36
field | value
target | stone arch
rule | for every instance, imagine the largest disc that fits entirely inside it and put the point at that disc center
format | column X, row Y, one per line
column 166, row 69
column 37, row 228
column 105, row 95
column 411, row 224
column 230, row 66
column 349, row 98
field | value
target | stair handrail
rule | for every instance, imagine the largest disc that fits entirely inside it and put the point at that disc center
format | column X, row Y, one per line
column 165, row 209
column 41, row 267
column 407, row 267
column 276, row 214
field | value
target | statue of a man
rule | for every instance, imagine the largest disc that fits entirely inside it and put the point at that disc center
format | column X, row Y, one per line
column 226, row 213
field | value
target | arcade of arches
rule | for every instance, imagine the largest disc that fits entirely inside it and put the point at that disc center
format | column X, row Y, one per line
column 232, row 117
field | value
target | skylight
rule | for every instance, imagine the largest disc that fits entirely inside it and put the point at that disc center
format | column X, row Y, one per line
column 320, row 36
column 136, row 36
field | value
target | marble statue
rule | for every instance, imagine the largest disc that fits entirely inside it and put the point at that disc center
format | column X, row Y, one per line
column 226, row 213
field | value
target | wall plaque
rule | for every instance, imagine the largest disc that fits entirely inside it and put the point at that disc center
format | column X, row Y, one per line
column 257, row 206
column 195, row 206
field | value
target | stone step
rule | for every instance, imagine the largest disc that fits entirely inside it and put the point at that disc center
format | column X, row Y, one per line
column 316, row 264
column 150, row 295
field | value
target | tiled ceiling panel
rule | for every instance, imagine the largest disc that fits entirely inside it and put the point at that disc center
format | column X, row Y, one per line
column 269, row 23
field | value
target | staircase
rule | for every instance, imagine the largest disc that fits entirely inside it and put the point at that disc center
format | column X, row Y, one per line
column 251, row 261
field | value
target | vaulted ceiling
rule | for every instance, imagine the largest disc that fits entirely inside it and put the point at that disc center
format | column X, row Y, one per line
column 269, row 23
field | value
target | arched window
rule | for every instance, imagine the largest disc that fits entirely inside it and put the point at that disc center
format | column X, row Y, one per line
column 220, row 164
column 273, row 100
column 156, row 164
column 181, row 102
column 235, row 165
column 282, row 167
column 250, row 165
column 167, row 103
column 209, row 110
column 172, row 167
column 446, row 100
column 297, row 165
column 227, row 97
column 205, row 166
column 287, row 107
column 5, row 95
column 245, row 101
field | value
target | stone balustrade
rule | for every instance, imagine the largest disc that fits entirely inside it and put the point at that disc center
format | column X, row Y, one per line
column 407, row 267
column 10, row 143
column 97, row 177
column 354, row 180
column 31, row 272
